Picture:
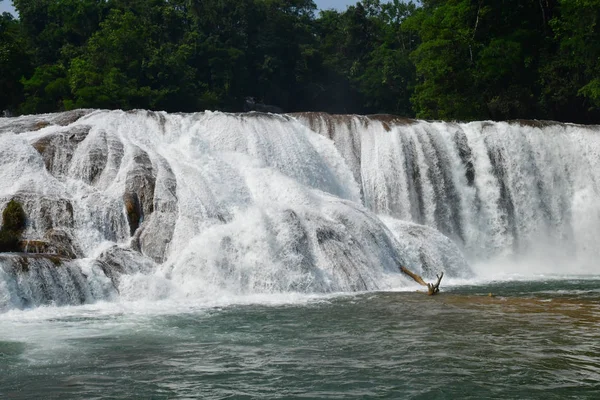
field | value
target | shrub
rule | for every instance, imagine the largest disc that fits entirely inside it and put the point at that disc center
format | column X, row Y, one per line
column 9, row 242
column 13, row 217
column 13, row 225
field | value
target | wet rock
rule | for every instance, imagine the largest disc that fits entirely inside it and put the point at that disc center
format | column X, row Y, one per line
column 328, row 124
column 54, row 213
column 56, row 242
column 17, row 263
column 63, row 243
column 45, row 213
column 250, row 104
column 117, row 261
column 57, row 149
column 154, row 239
column 13, row 224
column 133, row 211
column 466, row 156
column 90, row 158
column 141, row 180
column 40, row 279
column 427, row 250
column 32, row 123
column 68, row 117
column 389, row 121
column 157, row 231
column 37, row 247
column 534, row 123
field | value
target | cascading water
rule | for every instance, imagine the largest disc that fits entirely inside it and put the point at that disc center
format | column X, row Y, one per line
column 515, row 190
column 155, row 205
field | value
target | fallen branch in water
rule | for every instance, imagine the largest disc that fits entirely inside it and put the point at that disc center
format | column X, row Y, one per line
column 432, row 288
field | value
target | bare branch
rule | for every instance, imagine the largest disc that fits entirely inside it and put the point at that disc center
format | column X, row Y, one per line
column 416, row 278
column 431, row 288
column 434, row 288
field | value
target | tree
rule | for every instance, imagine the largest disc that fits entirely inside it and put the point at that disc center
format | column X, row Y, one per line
column 14, row 62
column 281, row 47
column 138, row 58
column 53, row 32
column 442, row 59
column 366, row 56
column 570, row 77
column 480, row 59
column 445, row 61
column 389, row 75
column 51, row 25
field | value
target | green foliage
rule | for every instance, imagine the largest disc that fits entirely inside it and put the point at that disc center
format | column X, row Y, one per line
column 571, row 84
column 46, row 90
column 14, row 62
column 13, row 225
column 440, row 59
column 366, row 58
column 9, row 242
column 13, row 217
column 479, row 60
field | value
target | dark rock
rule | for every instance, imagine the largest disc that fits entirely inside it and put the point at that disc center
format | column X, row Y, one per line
column 140, row 185
column 36, row 247
column 13, row 225
column 41, row 279
column 534, row 123
column 117, row 261
column 13, row 217
column 155, row 234
column 9, row 242
column 466, row 156
column 96, row 159
column 63, row 243
column 388, row 121
column 56, row 243
column 45, row 213
column 31, row 123
column 252, row 105
column 133, row 211
column 68, row 117
column 57, row 149
column 23, row 263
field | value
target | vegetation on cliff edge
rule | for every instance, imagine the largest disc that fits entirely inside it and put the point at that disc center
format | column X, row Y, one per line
column 436, row 59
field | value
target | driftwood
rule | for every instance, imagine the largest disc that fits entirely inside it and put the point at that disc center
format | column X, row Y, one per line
column 432, row 288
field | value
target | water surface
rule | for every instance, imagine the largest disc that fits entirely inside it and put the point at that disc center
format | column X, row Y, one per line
column 534, row 339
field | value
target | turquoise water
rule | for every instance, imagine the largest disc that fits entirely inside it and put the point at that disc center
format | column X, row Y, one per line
column 534, row 339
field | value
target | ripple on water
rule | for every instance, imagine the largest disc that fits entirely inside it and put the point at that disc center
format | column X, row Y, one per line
column 460, row 344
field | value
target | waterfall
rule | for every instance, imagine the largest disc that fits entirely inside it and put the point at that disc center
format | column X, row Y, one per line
column 507, row 189
column 153, row 205
column 27, row 281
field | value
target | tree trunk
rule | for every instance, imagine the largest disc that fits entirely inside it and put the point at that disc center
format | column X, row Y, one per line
column 432, row 288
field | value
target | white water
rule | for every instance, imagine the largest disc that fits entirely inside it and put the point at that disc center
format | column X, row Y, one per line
column 499, row 190
column 253, row 205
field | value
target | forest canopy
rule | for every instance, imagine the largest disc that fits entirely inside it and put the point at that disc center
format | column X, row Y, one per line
column 435, row 59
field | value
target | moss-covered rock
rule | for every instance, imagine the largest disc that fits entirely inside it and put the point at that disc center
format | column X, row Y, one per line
column 13, row 225
column 63, row 243
column 13, row 217
column 9, row 242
